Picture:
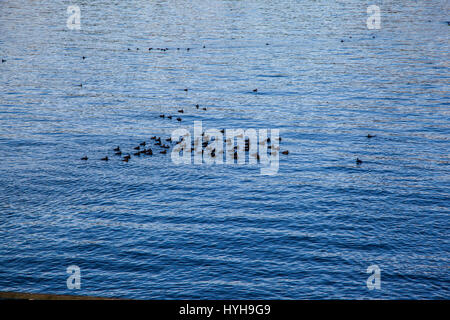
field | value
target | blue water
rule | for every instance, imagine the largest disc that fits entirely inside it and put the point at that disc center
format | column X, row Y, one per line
column 150, row 229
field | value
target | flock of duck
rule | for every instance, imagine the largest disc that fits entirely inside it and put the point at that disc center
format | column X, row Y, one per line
column 161, row 145
column 144, row 149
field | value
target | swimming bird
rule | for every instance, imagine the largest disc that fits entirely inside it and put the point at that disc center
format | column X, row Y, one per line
column 358, row 161
column 169, row 139
column 178, row 119
column 149, row 152
column 255, row 90
column 142, row 143
column 186, row 89
column 153, row 138
column 161, row 116
column 163, row 152
column 80, row 85
column 197, row 106
column 105, row 158
column 128, row 156
column 181, row 111
column 204, row 108
column 137, row 153
column 136, row 148
column 370, row 136
column 3, row 60
column 84, row 57
column 117, row 149
column 84, row 158
column 285, row 152
column 118, row 153
column 169, row 117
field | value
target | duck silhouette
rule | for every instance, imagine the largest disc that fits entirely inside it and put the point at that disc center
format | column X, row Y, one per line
column 125, row 159
column 169, row 117
column 358, row 161
column 204, row 108
column 142, row 143
column 163, row 152
column 105, row 158
column 186, row 89
column 84, row 158
column 3, row 60
column 178, row 119
column 118, row 153
column 370, row 136
column 161, row 116
column 255, row 90
column 181, row 111
column 197, row 106
column 117, row 148
column 286, row 152
column 137, row 148
column 84, row 57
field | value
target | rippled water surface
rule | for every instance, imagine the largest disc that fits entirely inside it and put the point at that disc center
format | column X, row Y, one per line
column 151, row 229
